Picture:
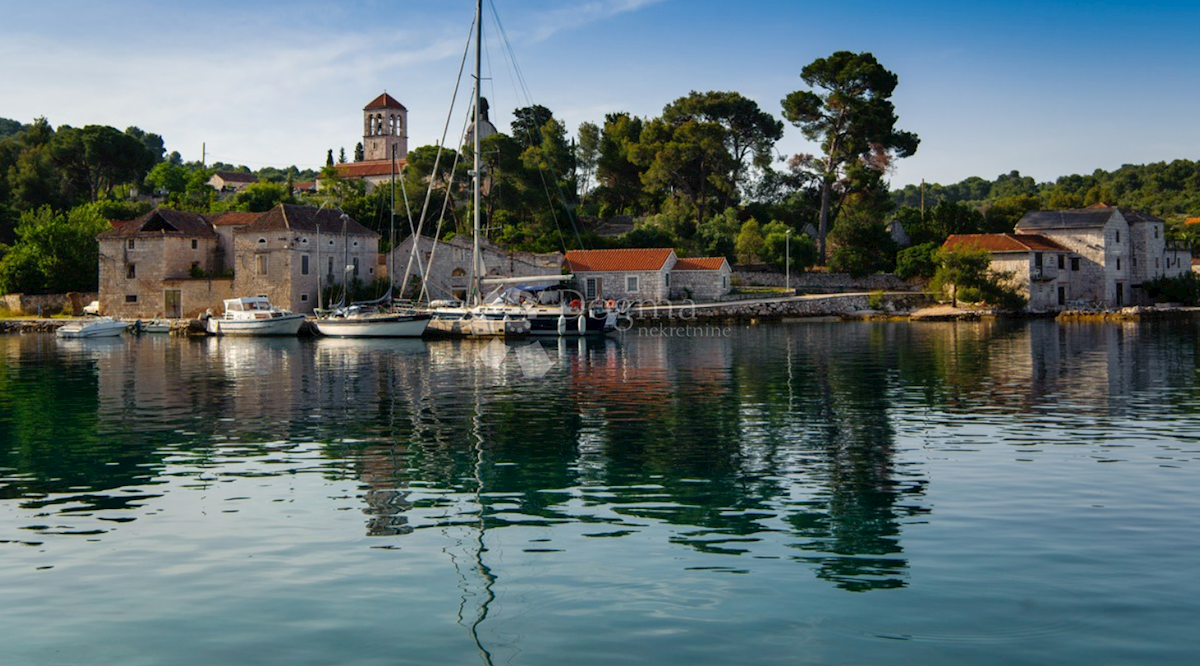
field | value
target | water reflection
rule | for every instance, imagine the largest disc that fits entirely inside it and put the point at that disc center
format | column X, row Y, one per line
column 773, row 442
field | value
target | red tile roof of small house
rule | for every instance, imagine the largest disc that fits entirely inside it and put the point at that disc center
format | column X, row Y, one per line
column 306, row 218
column 641, row 259
column 700, row 264
column 1004, row 242
column 368, row 168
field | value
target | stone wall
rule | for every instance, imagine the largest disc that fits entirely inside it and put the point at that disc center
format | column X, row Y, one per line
column 49, row 304
column 823, row 282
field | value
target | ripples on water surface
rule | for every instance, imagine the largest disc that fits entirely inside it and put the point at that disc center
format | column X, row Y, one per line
column 809, row 493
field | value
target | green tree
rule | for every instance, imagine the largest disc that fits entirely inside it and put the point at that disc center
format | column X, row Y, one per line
column 854, row 120
column 687, row 159
column 618, row 178
column 749, row 242
column 169, row 178
column 260, row 197
column 359, row 153
column 862, row 244
column 587, row 153
column 917, row 261
column 96, row 158
column 750, row 132
column 959, row 268
column 779, row 247
column 54, row 253
column 527, row 124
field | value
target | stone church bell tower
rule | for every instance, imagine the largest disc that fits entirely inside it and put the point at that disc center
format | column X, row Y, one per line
column 385, row 124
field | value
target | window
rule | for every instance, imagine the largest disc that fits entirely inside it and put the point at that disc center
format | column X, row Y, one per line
column 631, row 283
column 1118, row 235
column 1118, row 263
column 1062, row 295
column 1062, row 262
column 262, row 241
column 131, row 298
column 1156, row 263
column 303, row 297
column 260, row 264
column 724, row 281
column 329, row 273
column 129, row 244
column 667, row 279
column 1037, row 259
column 195, row 267
column 1074, row 263
column 1156, row 232
column 195, row 243
column 304, row 264
column 130, row 271
column 356, row 265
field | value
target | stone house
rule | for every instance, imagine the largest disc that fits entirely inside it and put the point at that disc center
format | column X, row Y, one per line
column 291, row 251
column 445, row 266
column 701, row 278
column 229, row 182
column 1038, row 267
column 149, row 266
column 1119, row 249
column 632, row 274
column 652, row 274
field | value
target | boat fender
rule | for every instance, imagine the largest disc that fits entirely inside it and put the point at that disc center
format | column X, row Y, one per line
column 562, row 324
column 581, row 322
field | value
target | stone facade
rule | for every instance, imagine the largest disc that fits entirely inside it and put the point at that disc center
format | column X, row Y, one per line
column 138, row 257
column 1118, row 249
column 700, row 280
column 290, row 252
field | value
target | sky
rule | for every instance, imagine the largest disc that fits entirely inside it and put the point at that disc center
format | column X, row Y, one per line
column 1047, row 88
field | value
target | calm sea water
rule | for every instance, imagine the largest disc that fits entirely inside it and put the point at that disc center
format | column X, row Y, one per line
column 825, row 493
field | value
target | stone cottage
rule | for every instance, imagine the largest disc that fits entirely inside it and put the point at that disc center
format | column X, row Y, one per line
column 290, row 252
column 1038, row 267
column 1119, row 250
column 654, row 274
column 148, row 266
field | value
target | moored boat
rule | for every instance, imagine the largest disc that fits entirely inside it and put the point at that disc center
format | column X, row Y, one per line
column 93, row 327
column 356, row 322
column 254, row 315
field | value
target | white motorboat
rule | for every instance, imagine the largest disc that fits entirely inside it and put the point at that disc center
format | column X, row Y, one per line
column 153, row 326
column 358, row 322
column 254, row 315
column 93, row 327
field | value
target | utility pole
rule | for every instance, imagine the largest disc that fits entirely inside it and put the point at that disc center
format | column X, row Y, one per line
column 787, row 262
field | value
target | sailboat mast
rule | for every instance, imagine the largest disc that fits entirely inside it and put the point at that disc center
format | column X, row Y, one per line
column 476, row 259
column 392, row 232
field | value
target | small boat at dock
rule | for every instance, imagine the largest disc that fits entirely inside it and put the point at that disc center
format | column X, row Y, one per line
column 253, row 315
column 93, row 327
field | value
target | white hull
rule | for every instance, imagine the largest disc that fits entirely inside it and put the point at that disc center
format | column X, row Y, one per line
column 105, row 327
column 282, row 325
column 368, row 327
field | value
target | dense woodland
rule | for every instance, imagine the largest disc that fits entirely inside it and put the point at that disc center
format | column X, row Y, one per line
column 702, row 177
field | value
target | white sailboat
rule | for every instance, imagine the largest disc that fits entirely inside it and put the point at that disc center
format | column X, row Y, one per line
column 370, row 320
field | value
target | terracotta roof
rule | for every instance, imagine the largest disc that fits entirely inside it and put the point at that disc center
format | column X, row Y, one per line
column 231, row 218
column 1192, row 220
column 306, row 218
column 700, row 264
column 384, row 101
column 650, row 259
column 368, row 168
column 163, row 222
column 1004, row 242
